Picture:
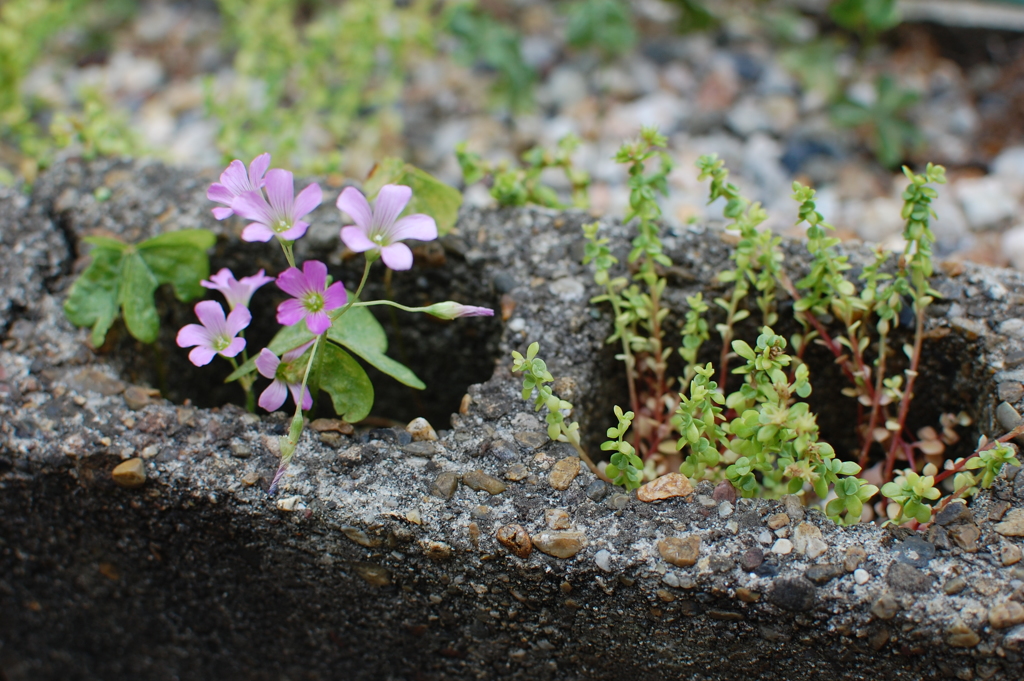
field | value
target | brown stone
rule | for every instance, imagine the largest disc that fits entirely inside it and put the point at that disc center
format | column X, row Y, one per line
column 885, row 607
column 374, row 574
column 747, row 596
column 966, row 537
column 332, row 426
column 559, row 544
column 853, row 557
column 360, row 537
column 679, row 551
column 137, row 397
column 961, row 636
column 777, row 520
column 437, row 550
column 531, row 439
column 1006, row 615
column 96, row 381
column 1010, row 554
column 564, row 472
column 478, row 480
column 444, row 485
column 557, row 519
column 421, row 430
column 1013, row 526
column 130, row 473
column 517, row 472
column 665, row 487
column 515, row 539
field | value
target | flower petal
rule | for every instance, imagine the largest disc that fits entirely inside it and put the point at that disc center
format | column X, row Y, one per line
column 211, row 314
column 354, row 203
column 219, row 193
column 267, row 363
column 290, row 312
column 307, row 398
column 308, row 199
column 318, row 322
column 397, row 256
column 235, row 346
column 257, row 231
column 257, row 169
column 224, row 279
column 274, row 396
column 193, row 334
column 235, row 179
column 238, row 319
column 316, row 275
column 335, row 296
column 201, row 355
column 356, row 240
column 293, row 282
column 295, row 232
column 222, row 213
column 391, row 201
column 252, row 206
column 280, row 186
column 419, row 226
column 293, row 355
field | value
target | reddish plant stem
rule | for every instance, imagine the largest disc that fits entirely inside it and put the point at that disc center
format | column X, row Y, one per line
column 875, row 400
column 908, row 393
column 1017, row 431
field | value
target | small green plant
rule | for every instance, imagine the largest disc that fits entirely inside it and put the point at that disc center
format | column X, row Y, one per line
column 867, row 18
column 517, row 186
column 98, row 130
column 889, row 131
column 603, row 24
column 761, row 436
column 123, row 278
column 494, row 45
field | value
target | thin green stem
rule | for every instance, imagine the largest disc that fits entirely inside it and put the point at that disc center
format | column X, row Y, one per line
column 289, row 253
column 355, row 296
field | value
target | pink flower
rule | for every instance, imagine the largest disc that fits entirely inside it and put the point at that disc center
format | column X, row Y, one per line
column 234, row 181
column 286, row 378
column 237, row 293
column 217, row 335
column 281, row 217
column 313, row 299
column 450, row 310
column 380, row 230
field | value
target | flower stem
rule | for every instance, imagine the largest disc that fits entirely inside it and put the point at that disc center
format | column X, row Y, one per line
column 295, row 431
column 289, row 253
column 355, row 296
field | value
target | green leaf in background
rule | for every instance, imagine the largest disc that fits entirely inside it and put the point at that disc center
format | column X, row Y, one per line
column 358, row 330
column 429, row 195
column 866, row 17
column 346, row 382
column 124, row 277
column 604, row 24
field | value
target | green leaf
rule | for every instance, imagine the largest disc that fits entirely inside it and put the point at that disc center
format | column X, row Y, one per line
column 429, row 195
column 106, row 242
column 93, row 299
column 179, row 258
column 361, row 333
column 138, row 284
column 345, row 381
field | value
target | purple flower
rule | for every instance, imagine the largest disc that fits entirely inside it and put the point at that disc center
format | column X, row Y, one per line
column 450, row 310
column 313, row 299
column 281, row 216
column 234, row 181
column 237, row 293
column 380, row 230
column 286, row 377
column 216, row 336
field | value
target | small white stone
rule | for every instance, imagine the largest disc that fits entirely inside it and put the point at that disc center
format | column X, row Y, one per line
column 724, row 509
column 815, row 547
column 733, row 526
column 287, row 503
column 671, row 579
column 782, row 547
column 604, row 560
column 765, row 537
column 861, row 576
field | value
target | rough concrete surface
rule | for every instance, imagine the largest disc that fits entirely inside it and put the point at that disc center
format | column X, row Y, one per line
column 380, row 557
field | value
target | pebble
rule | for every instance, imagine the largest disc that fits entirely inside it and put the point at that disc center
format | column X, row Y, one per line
column 1013, row 525
column 793, row 593
column 765, row 537
column 531, row 439
column 794, row 507
column 332, row 426
column 782, row 547
column 96, row 381
column 747, row 596
column 986, row 201
column 130, row 473
column 239, row 450
column 966, row 537
column 436, row 550
column 998, row 510
column 861, row 576
column 914, row 551
column 559, row 544
column 604, row 560
column 478, row 480
column 724, row 509
column 288, row 504
column 822, row 574
column 375, row 575
column 360, row 537
column 250, row 478
column 885, row 607
column 421, row 430
column 517, row 472
column 424, row 449
column 724, row 491
column 751, row 559
column 953, row 513
column 1007, row 416
column 853, row 557
column 444, row 485
column 906, row 578
column 1009, row 554
column 679, row 551
column 802, row 537
column 778, row 520
column 968, row 328
column 1006, row 614
column 597, row 490
column 961, row 636
column 954, row 586
column 1010, row 391
column 564, row 472
column 557, row 519
column 137, row 397
column 665, row 487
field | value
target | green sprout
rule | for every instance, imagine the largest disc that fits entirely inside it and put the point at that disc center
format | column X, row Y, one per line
column 626, row 468
column 911, row 491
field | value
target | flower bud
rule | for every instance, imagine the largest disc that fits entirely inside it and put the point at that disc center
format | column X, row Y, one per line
column 450, row 310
